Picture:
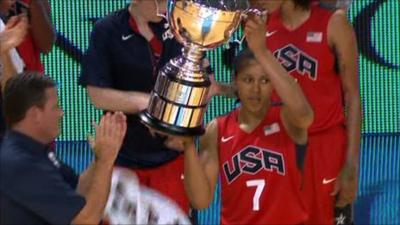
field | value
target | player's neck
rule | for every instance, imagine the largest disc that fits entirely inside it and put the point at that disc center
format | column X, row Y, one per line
column 249, row 120
column 292, row 16
column 141, row 22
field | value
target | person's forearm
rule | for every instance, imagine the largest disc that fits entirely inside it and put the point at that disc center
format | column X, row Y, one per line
column 129, row 102
column 287, row 88
column 85, row 179
column 97, row 195
column 8, row 70
column 41, row 25
column 353, row 125
column 198, row 188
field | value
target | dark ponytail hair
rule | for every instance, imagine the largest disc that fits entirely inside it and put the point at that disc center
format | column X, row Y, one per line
column 242, row 60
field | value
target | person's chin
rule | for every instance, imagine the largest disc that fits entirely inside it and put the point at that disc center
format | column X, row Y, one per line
column 56, row 134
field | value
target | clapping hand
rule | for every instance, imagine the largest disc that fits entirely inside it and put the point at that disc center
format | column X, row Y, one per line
column 110, row 133
column 14, row 33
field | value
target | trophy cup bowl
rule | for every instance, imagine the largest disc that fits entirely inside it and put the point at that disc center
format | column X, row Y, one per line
column 179, row 98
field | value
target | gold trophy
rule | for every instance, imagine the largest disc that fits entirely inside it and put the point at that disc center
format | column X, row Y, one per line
column 179, row 98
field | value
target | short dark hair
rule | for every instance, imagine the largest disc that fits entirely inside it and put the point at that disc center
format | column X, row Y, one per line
column 304, row 4
column 242, row 60
column 23, row 91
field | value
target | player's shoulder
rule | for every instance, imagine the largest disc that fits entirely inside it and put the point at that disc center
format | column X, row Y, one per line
column 339, row 21
column 112, row 21
column 339, row 16
column 227, row 117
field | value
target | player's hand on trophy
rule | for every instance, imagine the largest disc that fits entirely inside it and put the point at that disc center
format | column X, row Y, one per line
column 177, row 143
column 110, row 133
column 346, row 185
column 254, row 31
column 181, row 142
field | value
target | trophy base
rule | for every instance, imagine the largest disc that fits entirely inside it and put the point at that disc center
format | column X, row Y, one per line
column 155, row 123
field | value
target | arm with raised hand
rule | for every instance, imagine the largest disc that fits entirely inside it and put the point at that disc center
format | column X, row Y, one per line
column 94, row 184
column 13, row 34
column 201, row 168
column 297, row 113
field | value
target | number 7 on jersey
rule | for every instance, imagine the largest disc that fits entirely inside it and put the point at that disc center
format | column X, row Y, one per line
column 259, row 184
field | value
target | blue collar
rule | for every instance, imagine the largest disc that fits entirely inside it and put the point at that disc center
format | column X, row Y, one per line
column 26, row 142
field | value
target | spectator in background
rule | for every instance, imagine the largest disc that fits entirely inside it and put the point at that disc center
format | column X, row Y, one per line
column 41, row 35
column 11, row 35
column 126, row 50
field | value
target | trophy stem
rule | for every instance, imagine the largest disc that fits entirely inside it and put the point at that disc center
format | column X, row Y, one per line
column 191, row 64
column 179, row 98
column 193, row 53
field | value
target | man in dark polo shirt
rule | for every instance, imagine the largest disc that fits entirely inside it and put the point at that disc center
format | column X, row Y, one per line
column 36, row 188
column 126, row 50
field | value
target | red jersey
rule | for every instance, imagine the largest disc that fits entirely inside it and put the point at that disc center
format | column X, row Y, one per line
column 306, row 55
column 260, row 182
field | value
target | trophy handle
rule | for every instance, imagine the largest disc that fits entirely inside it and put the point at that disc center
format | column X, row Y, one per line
column 262, row 13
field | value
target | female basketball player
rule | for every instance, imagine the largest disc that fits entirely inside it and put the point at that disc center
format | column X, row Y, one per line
column 257, row 149
column 317, row 46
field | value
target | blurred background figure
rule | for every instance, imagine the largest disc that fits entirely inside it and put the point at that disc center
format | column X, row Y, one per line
column 41, row 34
column 11, row 35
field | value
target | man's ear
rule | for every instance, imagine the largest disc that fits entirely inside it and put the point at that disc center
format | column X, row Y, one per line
column 33, row 113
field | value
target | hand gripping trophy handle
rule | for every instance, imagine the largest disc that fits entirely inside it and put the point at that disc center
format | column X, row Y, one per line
column 179, row 98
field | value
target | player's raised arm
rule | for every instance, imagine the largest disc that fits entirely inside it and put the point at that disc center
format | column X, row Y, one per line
column 297, row 112
column 201, row 168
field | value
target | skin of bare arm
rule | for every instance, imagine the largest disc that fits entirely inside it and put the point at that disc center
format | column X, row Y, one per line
column 41, row 26
column 296, row 113
column 345, row 45
column 201, row 169
column 94, row 184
